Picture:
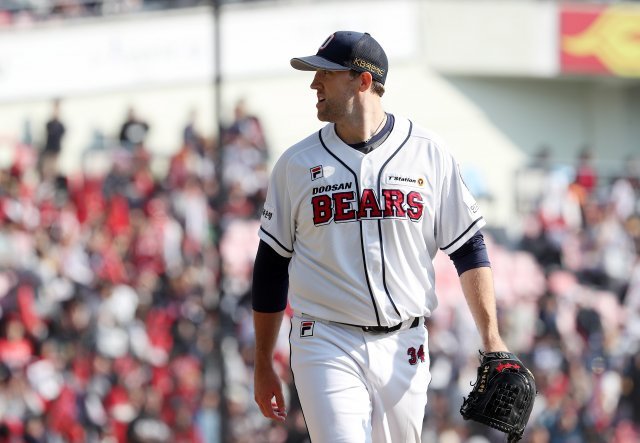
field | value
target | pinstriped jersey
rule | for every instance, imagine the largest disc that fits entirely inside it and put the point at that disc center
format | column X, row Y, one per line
column 362, row 229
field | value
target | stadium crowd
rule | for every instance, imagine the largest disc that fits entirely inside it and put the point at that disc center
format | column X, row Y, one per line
column 24, row 13
column 125, row 299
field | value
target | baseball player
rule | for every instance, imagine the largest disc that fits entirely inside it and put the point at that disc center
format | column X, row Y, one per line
column 353, row 218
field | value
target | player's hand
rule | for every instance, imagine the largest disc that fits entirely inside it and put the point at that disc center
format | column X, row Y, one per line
column 268, row 393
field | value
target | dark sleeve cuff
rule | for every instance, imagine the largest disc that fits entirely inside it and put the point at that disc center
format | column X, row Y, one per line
column 472, row 254
column 270, row 280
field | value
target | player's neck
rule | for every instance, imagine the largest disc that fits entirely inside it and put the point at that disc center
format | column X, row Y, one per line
column 361, row 129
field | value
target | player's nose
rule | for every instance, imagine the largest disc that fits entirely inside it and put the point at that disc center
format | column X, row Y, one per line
column 315, row 83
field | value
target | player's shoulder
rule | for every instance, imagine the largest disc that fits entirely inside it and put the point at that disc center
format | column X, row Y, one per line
column 426, row 136
column 422, row 132
column 294, row 155
column 309, row 143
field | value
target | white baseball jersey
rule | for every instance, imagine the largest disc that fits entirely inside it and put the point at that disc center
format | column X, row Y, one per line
column 362, row 230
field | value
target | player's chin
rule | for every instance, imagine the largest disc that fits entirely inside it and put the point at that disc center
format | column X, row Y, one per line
column 322, row 116
column 325, row 115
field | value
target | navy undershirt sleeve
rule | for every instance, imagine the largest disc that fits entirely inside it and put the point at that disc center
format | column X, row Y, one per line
column 472, row 254
column 270, row 280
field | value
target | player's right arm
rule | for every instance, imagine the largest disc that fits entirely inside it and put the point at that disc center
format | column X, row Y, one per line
column 267, row 385
column 269, row 299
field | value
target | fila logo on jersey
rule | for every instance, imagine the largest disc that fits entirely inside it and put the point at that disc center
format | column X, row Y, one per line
column 306, row 328
column 316, row 172
column 345, row 207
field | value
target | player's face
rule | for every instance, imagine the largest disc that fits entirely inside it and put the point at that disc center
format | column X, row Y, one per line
column 336, row 91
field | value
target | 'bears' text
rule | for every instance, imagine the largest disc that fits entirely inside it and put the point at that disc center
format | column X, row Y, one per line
column 344, row 207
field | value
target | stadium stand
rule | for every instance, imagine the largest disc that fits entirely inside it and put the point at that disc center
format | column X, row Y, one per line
column 116, row 289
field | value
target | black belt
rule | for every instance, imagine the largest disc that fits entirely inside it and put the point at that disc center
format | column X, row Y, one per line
column 387, row 329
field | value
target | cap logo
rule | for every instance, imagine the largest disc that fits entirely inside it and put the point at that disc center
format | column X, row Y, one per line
column 368, row 66
column 344, row 51
column 326, row 42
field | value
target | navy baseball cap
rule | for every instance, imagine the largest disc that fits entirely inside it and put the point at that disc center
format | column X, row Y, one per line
column 346, row 50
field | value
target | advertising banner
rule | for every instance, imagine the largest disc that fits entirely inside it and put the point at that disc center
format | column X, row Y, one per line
column 600, row 40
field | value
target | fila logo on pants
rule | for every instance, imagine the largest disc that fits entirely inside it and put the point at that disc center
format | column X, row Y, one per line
column 345, row 207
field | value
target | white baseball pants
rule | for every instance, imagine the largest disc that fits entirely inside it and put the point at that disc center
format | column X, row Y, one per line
column 360, row 387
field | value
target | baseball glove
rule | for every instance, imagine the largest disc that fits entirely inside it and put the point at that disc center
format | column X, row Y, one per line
column 503, row 394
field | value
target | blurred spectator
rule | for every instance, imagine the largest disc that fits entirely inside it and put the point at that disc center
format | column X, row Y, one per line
column 246, row 126
column 586, row 175
column 54, row 132
column 133, row 131
column 191, row 136
column 533, row 178
column 632, row 170
column 559, row 208
column 15, row 348
column 148, row 426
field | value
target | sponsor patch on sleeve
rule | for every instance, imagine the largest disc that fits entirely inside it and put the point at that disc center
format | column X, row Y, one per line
column 267, row 215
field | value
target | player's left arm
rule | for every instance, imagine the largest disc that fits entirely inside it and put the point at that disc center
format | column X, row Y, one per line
column 474, row 269
column 478, row 289
column 458, row 234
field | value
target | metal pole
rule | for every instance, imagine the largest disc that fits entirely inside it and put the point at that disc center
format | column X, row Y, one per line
column 217, row 70
column 225, row 429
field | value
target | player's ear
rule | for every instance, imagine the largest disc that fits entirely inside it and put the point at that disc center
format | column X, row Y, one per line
column 365, row 81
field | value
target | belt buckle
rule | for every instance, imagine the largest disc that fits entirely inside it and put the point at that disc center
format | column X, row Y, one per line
column 376, row 329
column 381, row 329
column 387, row 329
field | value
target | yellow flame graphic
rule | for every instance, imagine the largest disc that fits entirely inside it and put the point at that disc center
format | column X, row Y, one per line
column 614, row 37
